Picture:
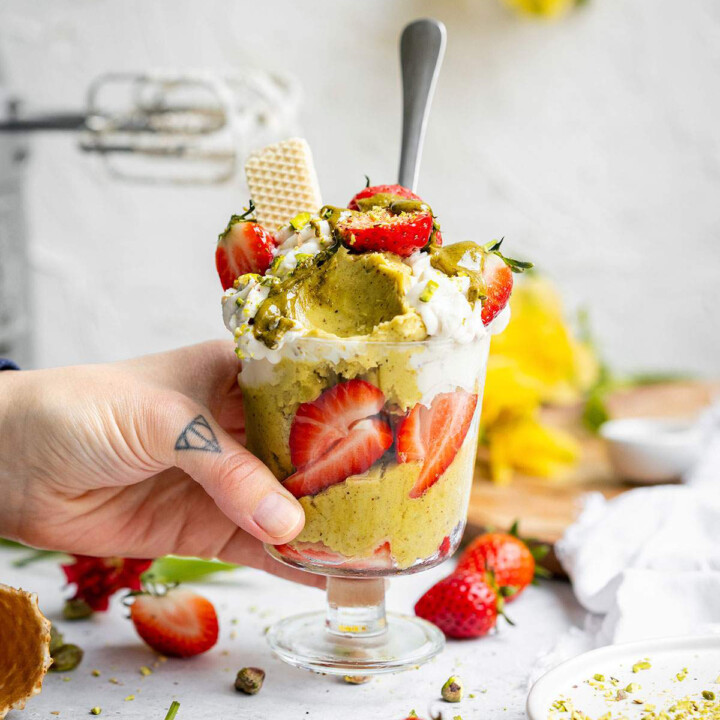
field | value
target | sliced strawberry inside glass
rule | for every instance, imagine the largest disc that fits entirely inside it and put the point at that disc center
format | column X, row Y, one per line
column 381, row 558
column 320, row 424
column 434, row 435
column 365, row 443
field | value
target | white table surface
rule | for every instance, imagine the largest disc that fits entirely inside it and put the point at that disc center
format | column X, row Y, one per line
column 494, row 668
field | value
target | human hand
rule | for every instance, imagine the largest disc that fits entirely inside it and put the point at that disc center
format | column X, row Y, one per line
column 140, row 458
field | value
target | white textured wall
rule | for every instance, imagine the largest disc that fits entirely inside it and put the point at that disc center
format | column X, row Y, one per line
column 592, row 144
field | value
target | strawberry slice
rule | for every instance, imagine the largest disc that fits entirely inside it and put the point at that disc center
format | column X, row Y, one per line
column 368, row 192
column 381, row 230
column 365, row 443
column 381, row 559
column 434, row 435
column 243, row 247
column 180, row 623
column 320, row 424
column 498, row 279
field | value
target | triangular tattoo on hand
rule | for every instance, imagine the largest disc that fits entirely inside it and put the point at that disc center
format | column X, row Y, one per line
column 198, row 435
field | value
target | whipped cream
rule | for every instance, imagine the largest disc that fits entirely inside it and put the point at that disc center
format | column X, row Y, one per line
column 439, row 300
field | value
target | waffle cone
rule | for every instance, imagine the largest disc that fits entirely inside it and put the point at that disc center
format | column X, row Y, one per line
column 24, row 648
column 282, row 182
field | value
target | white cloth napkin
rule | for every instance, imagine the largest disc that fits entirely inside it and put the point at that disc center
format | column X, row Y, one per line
column 647, row 563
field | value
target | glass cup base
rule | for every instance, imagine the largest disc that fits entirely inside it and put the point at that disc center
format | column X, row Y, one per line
column 306, row 642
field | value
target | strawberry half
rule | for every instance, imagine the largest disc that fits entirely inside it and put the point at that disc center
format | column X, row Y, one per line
column 364, row 443
column 320, row 424
column 380, row 230
column 498, row 283
column 497, row 273
column 434, row 435
column 179, row 623
column 396, row 190
column 243, row 247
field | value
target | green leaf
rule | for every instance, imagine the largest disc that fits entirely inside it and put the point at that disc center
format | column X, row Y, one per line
column 539, row 551
column 542, row 572
column 12, row 544
column 515, row 529
column 595, row 412
column 174, row 569
column 36, row 556
column 517, row 266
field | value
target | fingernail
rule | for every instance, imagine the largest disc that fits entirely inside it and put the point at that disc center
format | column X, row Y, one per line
column 277, row 515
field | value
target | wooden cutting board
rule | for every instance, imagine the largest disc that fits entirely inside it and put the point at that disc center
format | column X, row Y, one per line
column 547, row 507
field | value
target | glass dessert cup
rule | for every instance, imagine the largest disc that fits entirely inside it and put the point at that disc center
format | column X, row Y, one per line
column 377, row 440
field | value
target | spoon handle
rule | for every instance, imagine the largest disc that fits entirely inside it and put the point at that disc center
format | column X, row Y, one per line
column 422, row 46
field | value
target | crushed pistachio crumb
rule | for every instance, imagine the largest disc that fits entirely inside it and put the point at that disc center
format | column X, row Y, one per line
column 681, row 675
column 95, row 673
column 95, row 711
column 129, row 698
column 642, row 665
column 632, row 687
column 599, row 677
column 300, row 220
column 429, row 291
column 145, row 670
column 708, row 694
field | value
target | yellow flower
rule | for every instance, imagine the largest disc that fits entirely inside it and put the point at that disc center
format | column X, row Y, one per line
column 541, row 8
column 540, row 342
column 536, row 360
column 528, row 446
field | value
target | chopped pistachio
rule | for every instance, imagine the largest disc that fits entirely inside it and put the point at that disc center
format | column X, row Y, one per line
column 95, row 673
column 300, row 221
column 708, row 694
column 632, row 687
column 56, row 639
column 114, row 681
column 452, row 690
column 249, row 680
column 642, row 665
column 129, row 698
column 76, row 609
column 239, row 301
column 429, row 291
column 301, row 257
column 682, row 675
column 66, row 657
column 95, row 711
column 356, row 679
column 599, row 677
column 145, row 670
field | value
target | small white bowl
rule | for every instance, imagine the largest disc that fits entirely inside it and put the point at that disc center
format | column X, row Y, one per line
column 652, row 450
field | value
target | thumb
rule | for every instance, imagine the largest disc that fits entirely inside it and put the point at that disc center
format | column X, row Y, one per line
column 242, row 487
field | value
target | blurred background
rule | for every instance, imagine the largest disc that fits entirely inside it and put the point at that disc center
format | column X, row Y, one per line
column 590, row 141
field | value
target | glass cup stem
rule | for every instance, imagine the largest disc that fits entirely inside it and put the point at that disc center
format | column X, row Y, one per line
column 356, row 607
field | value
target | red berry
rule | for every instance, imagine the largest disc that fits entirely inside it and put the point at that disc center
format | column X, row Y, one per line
column 244, row 247
column 397, row 190
column 463, row 605
column 320, row 424
column 366, row 441
column 179, row 623
column 383, row 231
column 434, row 435
column 507, row 556
column 498, row 279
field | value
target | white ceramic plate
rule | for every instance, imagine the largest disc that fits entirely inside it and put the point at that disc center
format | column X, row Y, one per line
column 658, row 685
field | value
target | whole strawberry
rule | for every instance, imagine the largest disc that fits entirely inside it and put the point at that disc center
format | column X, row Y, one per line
column 373, row 190
column 463, row 605
column 179, row 622
column 505, row 555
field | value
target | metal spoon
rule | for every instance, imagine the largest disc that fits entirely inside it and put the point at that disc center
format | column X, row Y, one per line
column 422, row 46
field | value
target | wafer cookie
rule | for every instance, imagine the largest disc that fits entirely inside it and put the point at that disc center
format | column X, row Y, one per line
column 282, row 182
